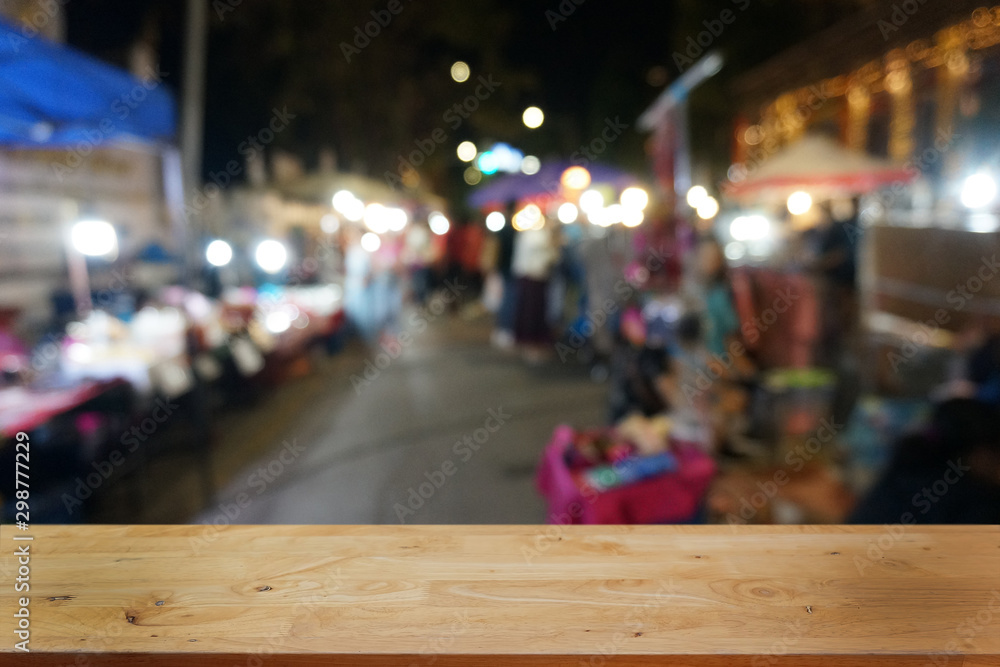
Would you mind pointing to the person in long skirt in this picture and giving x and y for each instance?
(534, 257)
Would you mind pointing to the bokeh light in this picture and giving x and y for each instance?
(460, 71)
(696, 195)
(271, 256)
(219, 253)
(568, 213)
(575, 178)
(799, 202)
(438, 223)
(635, 198)
(467, 151)
(495, 221)
(533, 117)
(94, 237)
(707, 208)
(370, 242)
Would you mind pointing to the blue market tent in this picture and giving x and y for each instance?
(52, 96)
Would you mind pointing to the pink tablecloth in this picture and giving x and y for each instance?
(22, 409)
(669, 498)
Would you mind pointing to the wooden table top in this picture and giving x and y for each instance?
(505, 595)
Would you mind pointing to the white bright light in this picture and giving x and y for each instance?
(94, 237)
(633, 218)
(615, 213)
(278, 322)
(460, 71)
(219, 253)
(749, 228)
(799, 202)
(530, 165)
(349, 206)
(396, 219)
(979, 191)
(591, 201)
(707, 208)
(438, 223)
(567, 213)
(355, 211)
(370, 242)
(495, 221)
(271, 256)
(80, 353)
(635, 199)
(467, 151)
(377, 218)
(533, 117)
(696, 195)
(342, 199)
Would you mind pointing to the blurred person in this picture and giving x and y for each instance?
(418, 254)
(503, 331)
(657, 239)
(454, 251)
(682, 386)
(603, 260)
(471, 254)
(534, 257)
(721, 324)
(357, 285)
(836, 269)
(492, 294)
(949, 473)
(975, 372)
(636, 369)
(387, 293)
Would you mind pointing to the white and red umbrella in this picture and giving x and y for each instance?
(821, 167)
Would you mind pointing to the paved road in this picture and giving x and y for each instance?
(449, 432)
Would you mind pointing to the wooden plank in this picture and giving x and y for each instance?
(507, 595)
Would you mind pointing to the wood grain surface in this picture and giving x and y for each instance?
(505, 595)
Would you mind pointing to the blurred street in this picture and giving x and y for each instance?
(363, 452)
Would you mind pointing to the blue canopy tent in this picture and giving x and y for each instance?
(56, 98)
(52, 96)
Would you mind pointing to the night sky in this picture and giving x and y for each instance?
(600, 62)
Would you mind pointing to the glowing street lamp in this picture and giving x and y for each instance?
(635, 199)
(495, 221)
(87, 238)
(575, 178)
(94, 238)
(219, 253)
(460, 71)
(467, 151)
(439, 223)
(567, 213)
(533, 117)
(707, 208)
(799, 203)
(271, 256)
(696, 195)
(979, 191)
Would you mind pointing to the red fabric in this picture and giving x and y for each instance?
(790, 338)
(23, 410)
(667, 498)
(472, 247)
